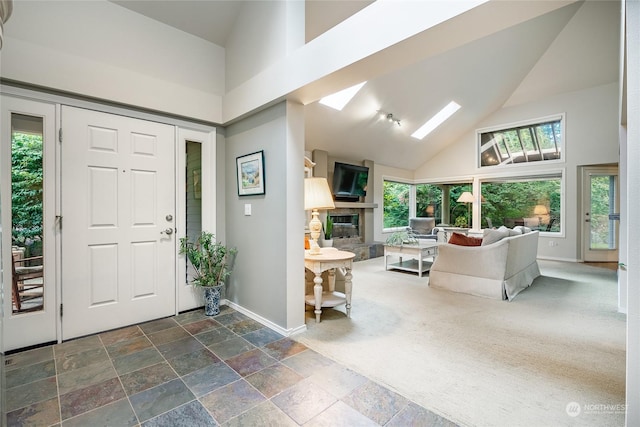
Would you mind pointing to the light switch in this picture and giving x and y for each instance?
(247, 209)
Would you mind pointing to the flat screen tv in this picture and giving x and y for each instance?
(349, 181)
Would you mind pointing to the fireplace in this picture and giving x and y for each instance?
(347, 224)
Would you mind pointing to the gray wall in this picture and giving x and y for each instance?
(270, 240)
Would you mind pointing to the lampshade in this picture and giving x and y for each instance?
(6, 7)
(317, 194)
(466, 197)
(540, 210)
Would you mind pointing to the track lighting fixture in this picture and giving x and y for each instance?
(390, 118)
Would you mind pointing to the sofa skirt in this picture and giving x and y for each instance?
(501, 289)
(521, 280)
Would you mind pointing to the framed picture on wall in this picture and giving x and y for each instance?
(250, 169)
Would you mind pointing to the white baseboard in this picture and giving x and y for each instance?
(548, 258)
(266, 322)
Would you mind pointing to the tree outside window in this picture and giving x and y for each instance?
(396, 204)
(535, 203)
(26, 192)
(429, 201)
(440, 201)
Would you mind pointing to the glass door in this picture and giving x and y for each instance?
(600, 214)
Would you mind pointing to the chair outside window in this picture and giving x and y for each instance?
(27, 282)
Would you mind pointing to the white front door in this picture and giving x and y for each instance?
(118, 210)
(600, 214)
(28, 223)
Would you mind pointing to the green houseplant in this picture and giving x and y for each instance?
(328, 228)
(400, 238)
(328, 232)
(461, 221)
(212, 263)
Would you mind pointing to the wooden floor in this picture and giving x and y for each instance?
(607, 265)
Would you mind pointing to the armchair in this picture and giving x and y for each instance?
(423, 228)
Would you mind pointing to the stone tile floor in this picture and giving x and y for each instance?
(193, 370)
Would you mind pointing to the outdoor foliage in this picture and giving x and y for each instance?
(26, 191)
(504, 200)
(601, 207)
(428, 201)
(396, 204)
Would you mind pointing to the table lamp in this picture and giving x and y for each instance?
(540, 211)
(316, 196)
(467, 198)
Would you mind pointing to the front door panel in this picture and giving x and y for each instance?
(118, 247)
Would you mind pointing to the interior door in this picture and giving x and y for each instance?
(118, 201)
(28, 195)
(600, 213)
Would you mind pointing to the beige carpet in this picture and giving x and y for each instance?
(481, 362)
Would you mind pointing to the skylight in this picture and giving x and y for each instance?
(436, 120)
(339, 99)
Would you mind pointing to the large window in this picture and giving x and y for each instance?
(439, 201)
(397, 199)
(521, 144)
(532, 202)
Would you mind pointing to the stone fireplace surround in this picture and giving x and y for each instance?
(349, 232)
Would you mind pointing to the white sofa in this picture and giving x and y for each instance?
(497, 270)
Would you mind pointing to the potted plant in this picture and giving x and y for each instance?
(328, 232)
(461, 221)
(400, 238)
(212, 263)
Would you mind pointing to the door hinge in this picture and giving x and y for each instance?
(60, 134)
(59, 221)
(60, 309)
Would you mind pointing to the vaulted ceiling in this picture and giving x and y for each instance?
(572, 48)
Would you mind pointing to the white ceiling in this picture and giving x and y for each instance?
(571, 48)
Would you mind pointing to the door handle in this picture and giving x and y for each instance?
(168, 231)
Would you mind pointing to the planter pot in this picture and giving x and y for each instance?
(212, 296)
(327, 243)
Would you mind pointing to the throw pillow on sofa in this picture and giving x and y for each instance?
(492, 236)
(523, 229)
(462, 240)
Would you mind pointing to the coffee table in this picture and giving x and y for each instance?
(417, 252)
